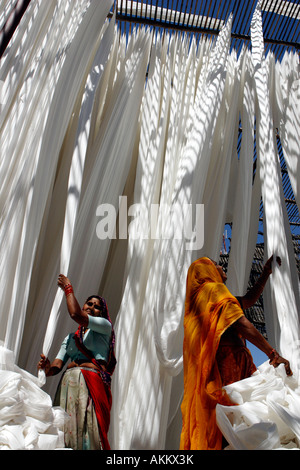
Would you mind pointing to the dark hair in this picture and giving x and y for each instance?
(103, 306)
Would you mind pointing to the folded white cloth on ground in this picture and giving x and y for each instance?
(28, 421)
(267, 415)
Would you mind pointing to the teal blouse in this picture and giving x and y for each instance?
(96, 339)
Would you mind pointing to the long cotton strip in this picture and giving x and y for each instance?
(284, 304)
(102, 166)
(288, 111)
(147, 189)
(246, 195)
(24, 104)
(76, 174)
(161, 318)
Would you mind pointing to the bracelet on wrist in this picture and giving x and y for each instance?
(273, 354)
(68, 289)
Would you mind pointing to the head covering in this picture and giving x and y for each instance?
(108, 369)
(209, 310)
(111, 361)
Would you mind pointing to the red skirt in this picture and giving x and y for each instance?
(101, 396)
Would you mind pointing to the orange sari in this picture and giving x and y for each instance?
(209, 310)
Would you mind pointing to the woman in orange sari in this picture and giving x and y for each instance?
(214, 350)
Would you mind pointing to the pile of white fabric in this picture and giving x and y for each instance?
(28, 421)
(267, 413)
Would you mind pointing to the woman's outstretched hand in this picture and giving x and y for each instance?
(268, 265)
(276, 360)
(63, 281)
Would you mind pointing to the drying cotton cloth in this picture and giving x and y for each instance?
(35, 84)
(268, 415)
(107, 164)
(27, 419)
(150, 324)
(72, 76)
(75, 170)
(286, 112)
(246, 194)
(92, 121)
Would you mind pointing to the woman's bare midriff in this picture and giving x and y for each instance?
(230, 337)
(82, 364)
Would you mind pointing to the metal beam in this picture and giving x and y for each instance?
(197, 29)
(11, 24)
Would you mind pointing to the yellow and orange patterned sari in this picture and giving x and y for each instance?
(209, 310)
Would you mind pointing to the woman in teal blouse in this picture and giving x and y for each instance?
(84, 391)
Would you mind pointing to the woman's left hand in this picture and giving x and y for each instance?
(276, 360)
(268, 265)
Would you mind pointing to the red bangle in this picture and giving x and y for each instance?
(273, 353)
(68, 290)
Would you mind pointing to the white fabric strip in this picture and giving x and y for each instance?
(244, 229)
(284, 306)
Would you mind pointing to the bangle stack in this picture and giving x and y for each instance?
(273, 354)
(68, 289)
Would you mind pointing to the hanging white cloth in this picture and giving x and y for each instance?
(34, 87)
(155, 349)
(76, 172)
(103, 165)
(268, 412)
(39, 182)
(246, 200)
(286, 115)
